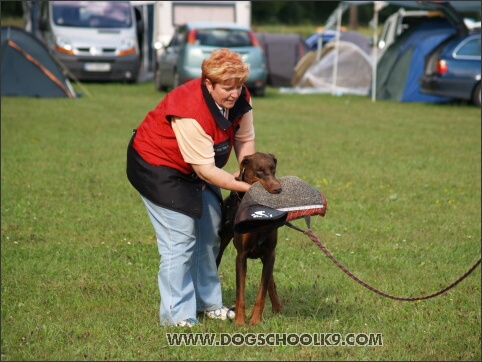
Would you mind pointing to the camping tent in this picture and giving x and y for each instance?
(282, 52)
(334, 21)
(354, 70)
(402, 64)
(351, 36)
(28, 69)
(315, 71)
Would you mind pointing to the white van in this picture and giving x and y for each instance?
(95, 40)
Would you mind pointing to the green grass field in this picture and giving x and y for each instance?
(403, 182)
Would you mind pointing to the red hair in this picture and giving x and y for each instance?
(225, 66)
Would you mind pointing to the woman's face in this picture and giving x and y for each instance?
(224, 95)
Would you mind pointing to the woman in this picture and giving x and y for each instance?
(174, 161)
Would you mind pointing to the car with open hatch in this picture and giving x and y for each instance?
(453, 70)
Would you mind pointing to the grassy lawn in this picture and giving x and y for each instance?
(403, 182)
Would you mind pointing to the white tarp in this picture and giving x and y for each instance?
(354, 70)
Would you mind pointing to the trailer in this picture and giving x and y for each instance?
(169, 14)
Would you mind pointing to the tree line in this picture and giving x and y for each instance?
(277, 12)
(265, 12)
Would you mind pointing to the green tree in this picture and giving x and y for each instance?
(11, 8)
(291, 12)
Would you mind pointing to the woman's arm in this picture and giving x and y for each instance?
(218, 177)
(242, 149)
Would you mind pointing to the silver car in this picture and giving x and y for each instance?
(193, 42)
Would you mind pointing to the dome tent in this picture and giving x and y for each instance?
(28, 69)
(353, 74)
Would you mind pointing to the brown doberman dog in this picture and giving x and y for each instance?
(259, 167)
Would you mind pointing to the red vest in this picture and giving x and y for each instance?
(155, 166)
(155, 140)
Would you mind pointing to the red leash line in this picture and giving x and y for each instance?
(346, 271)
(317, 241)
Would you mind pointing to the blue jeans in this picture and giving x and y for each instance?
(188, 278)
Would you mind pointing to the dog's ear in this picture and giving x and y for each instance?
(242, 167)
(274, 158)
(245, 161)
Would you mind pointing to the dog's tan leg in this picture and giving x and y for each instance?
(266, 276)
(241, 268)
(273, 296)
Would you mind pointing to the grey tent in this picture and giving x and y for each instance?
(28, 69)
(282, 52)
(351, 55)
(354, 72)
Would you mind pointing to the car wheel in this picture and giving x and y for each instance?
(476, 96)
(133, 80)
(259, 91)
(158, 81)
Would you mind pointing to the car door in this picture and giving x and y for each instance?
(169, 58)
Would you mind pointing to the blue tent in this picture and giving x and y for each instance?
(402, 64)
(450, 9)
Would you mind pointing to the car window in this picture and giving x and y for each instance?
(228, 38)
(177, 38)
(469, 48)
(86, 14)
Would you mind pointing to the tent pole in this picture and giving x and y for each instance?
(376, 8)
(319, 44)
(70, 74)
(337, 44)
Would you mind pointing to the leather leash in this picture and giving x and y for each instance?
(317, 241)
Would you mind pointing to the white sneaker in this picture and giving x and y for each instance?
(190, 322)
(221, 313)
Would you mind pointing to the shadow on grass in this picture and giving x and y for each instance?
(307, 302)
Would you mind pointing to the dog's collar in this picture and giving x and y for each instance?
(239, 195)
(241, 178)
(241, 175)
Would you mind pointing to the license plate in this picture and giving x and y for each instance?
(97, 67)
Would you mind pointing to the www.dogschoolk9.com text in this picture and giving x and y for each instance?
(275, 339)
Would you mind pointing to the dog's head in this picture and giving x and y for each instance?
(260, 167)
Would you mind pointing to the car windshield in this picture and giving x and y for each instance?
(92, 14)
(227, 38)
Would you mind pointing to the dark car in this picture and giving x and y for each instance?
(193, 42)
(453, 70)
